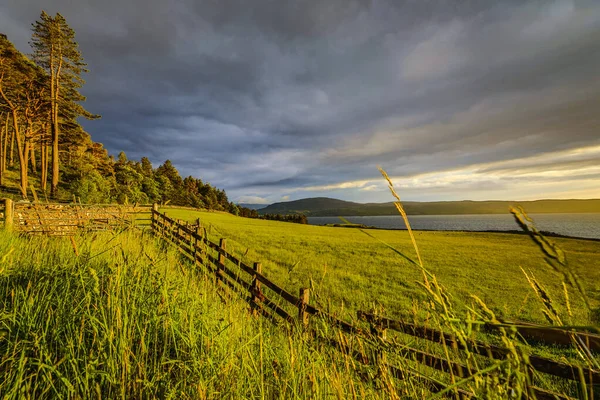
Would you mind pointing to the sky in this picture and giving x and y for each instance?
(276, 100)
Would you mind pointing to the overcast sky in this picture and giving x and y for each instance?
(274, 100)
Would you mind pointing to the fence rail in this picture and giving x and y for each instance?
(276, 302)
(539, 364)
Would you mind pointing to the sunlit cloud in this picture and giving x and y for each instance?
(252, 200)
(341, 185)
(550, 173)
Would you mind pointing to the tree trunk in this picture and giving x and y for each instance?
(54, 89)
(42, 169)
(29, 146)
(44, 166)
(5, 146)
(12, 149)
(2, 151)
(24, 166)
(46, 158)
(32, 153)
(54, 186)
(22, 155)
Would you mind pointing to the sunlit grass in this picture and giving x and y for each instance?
(124, 317)
(355, 271)
(461, 278)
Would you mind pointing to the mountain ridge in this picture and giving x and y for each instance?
(253, 206)
(325, 206)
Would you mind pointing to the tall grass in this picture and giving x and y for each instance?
(123, 316)
(513, 376)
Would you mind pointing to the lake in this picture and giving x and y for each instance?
(577, 225)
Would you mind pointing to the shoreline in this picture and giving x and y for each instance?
(513, 232)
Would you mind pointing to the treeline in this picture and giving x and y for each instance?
(42, 140)
(139, 182)
(296, 218)
(250, 213)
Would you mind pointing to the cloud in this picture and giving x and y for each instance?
(341, 185)
(549, 172)
(371, 188)
(252, 200)
(436, 56)
(280, 99)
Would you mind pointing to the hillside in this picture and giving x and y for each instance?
(323, 206)
(252, 206)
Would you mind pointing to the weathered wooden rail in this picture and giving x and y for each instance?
(68, 219)
(277, 304)
(541, 334)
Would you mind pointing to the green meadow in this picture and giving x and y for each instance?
(352, 270)
(122, 316)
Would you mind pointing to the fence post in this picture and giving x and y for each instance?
(256, 294)
(302, 314)
(380, 332)
(196, 246)
(164, 227)
(222, 247)
(8, 214)
(153, 216)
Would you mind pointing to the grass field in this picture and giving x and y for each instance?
(356, 271)
(123, 316)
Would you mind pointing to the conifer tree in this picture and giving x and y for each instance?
(55, 50)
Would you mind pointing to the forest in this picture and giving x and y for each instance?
(44, 148)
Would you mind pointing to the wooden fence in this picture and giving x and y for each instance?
(548, 336)
(272, 301)
(68, 219)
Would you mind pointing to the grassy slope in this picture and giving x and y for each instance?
(12, 180)
(356, 271)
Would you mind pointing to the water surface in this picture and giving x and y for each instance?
(577, 225)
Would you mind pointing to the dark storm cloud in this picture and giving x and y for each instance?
(264, 98)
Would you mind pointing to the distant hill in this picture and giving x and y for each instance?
(324, 206)
(309, 206)
(253, 206)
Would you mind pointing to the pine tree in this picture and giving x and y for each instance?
(22, 96)
(55, 50)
